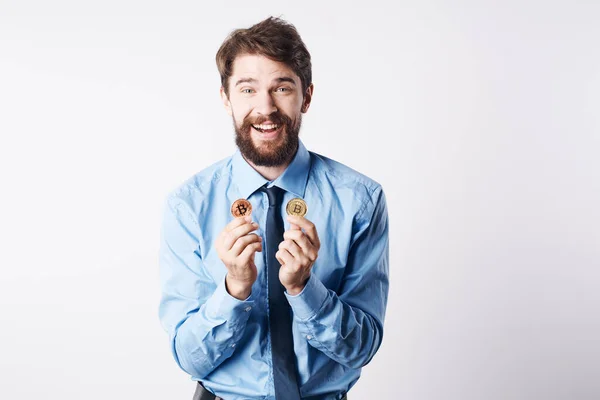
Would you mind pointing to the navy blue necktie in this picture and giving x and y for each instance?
(280, 319)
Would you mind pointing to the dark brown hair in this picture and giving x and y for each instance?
(273, 38)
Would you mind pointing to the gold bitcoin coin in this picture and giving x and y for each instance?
(296, 207)
(241, 208)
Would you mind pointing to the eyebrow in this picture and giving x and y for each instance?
(278, 80)
(245, 80)
(286, 79)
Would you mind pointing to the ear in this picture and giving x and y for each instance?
(226, 101)
(307, 98)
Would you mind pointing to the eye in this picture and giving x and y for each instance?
(282, 89)
(247, 90)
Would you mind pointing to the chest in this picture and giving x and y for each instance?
(333, 220)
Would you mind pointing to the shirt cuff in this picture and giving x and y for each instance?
(222, 305)
(310, 300)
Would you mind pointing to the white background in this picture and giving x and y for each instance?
(480, 119)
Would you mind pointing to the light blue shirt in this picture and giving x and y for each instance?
(338, 317)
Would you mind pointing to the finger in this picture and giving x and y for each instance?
(295, 227)
(302, 241)
(237, 222)
(243, 242)
(309, 228)
(248, 253)
(284, 257)
(292, 248)
(279, 258)
(232, 225)
(233, 235)
(244, 229)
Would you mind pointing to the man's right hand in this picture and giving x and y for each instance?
(236, 248)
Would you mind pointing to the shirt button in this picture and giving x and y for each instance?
(233, 345)
(308, 337)
(248, 309)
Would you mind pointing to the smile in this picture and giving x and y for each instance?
(266, 128)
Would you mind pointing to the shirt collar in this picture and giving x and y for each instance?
(293, 179)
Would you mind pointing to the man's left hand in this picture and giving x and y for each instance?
(297, 254)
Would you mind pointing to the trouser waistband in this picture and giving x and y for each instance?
(203, 394)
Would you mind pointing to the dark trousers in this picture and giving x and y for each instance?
(203, 394)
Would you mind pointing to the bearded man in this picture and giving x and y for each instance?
(273, 262)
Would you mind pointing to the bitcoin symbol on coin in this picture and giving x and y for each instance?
(241, 208)
(296, 207)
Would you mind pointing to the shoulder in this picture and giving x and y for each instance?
(340, 175)
(198, 186)
(332, 175)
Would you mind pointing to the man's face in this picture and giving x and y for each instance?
(266, 103)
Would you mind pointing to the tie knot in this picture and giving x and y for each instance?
(275, 194)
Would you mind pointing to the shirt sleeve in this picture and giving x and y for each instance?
(203, 320)
(347, 325)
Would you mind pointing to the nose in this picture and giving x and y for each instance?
(265, 104)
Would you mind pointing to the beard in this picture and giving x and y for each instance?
(269, 154)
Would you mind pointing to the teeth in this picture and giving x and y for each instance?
(265, 127)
